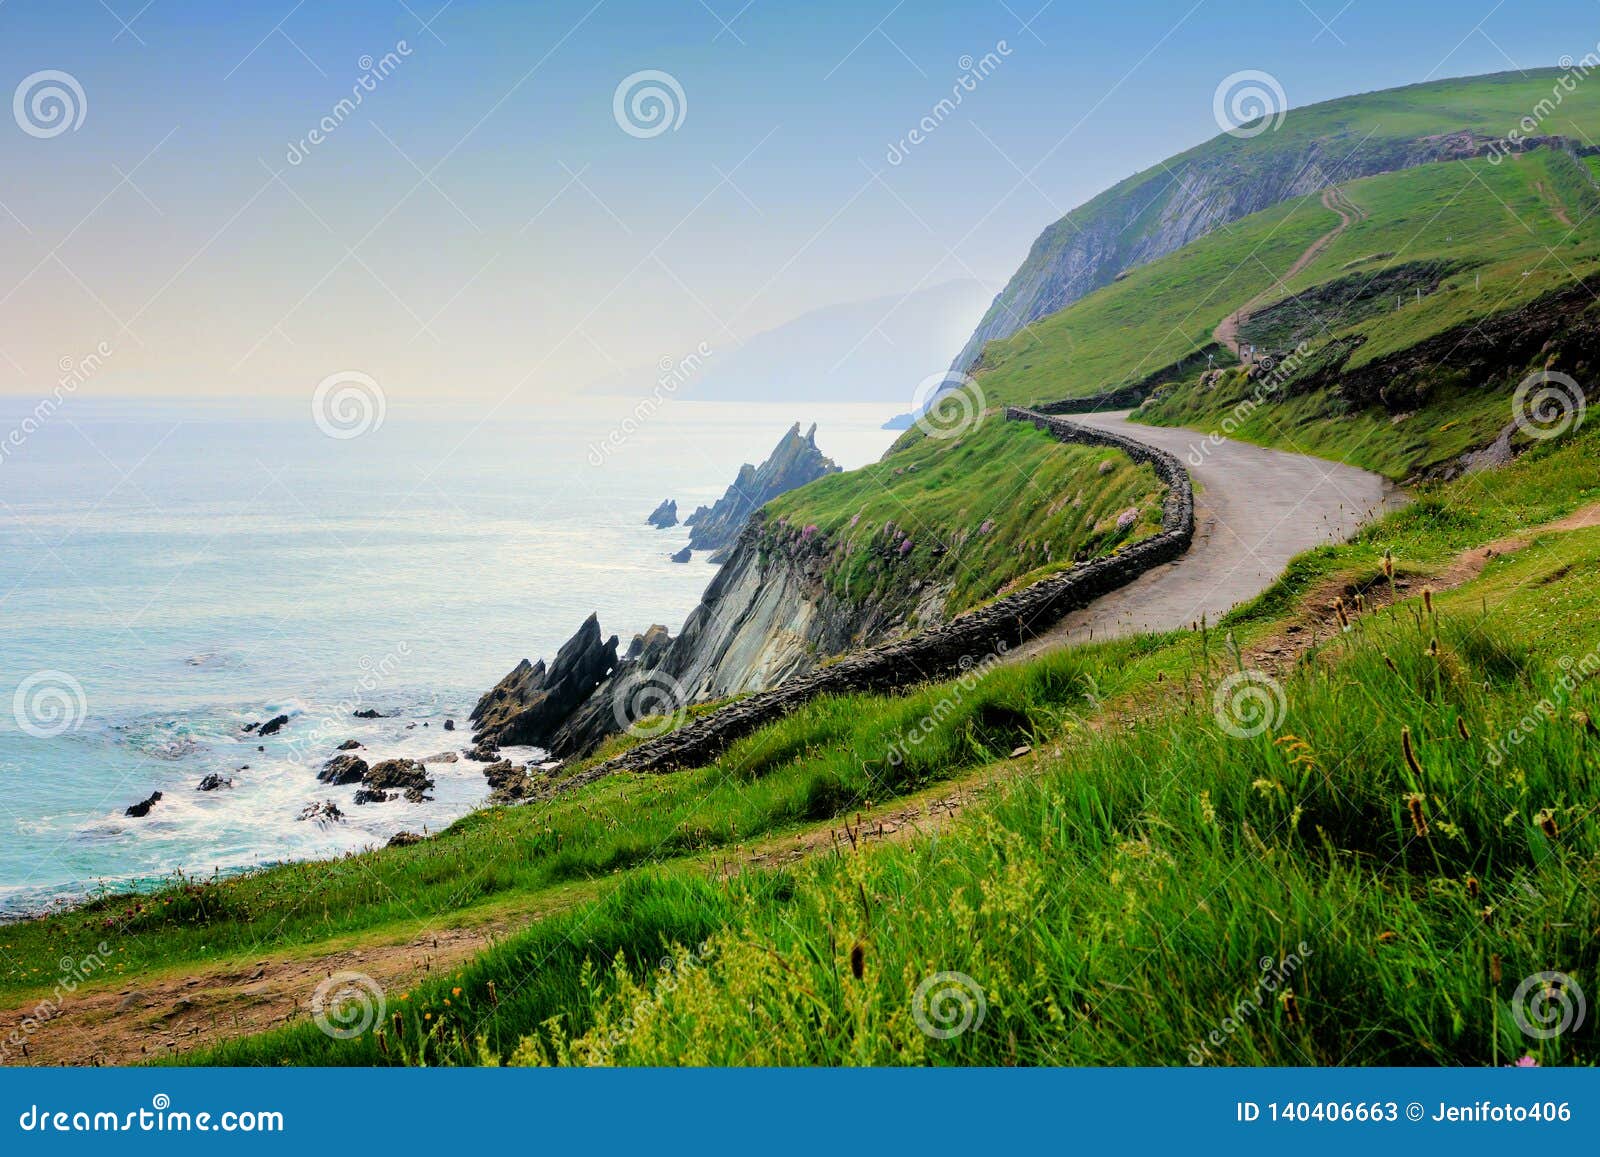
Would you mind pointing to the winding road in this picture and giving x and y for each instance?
(1255, 509)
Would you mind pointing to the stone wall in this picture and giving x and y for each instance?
(946, 651)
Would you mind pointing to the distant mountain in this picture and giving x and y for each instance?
(1231, 176)
(861, 351)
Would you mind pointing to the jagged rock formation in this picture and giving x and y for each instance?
(794, 461)
(1160, 210)
(532, 701)
(683, 555)
(962, 644)
(665, 515)
(343, 769)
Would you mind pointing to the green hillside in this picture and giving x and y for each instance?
(1089, 840)
(1155, 212)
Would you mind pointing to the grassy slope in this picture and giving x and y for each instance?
(1115, 905)
(1003, 505)
(1136, 844)
(1373, 122)
(1491, 221)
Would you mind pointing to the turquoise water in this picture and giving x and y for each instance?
(172, 570)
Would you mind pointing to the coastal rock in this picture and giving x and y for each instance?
(699, 513)
(212, 782)
(417, 795)
(449, 724)
(404, 840)
(617, 698)
(368, 713)
(532, 701)
(665, 515)
(343, 769)
(348, 745)
(273, 725)
(794, 461)
(141, 809)
(368, 795)
(508, 782)
(486, 752)
(397, 775)
(684, 555)
(441, 757)
(324, 812)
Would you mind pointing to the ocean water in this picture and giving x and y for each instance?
(170, 571)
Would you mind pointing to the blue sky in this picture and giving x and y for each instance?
(481, 224)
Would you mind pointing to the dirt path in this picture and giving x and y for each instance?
(1333, 199)
(146, 1018)
(1255, 509)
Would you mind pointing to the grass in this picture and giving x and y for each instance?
(835, 755)
(999, 507)
(1114, 904)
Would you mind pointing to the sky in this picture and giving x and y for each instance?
(495, 218)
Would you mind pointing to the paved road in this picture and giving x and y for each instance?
(1254, 510)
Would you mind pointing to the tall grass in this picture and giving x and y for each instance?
(1327, 891)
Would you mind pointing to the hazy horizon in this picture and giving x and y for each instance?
(494, 218)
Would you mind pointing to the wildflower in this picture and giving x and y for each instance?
(1385, 937)
(1526, 1061)
(1547, 824)
(455, 992)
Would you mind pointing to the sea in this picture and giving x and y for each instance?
(172, 571)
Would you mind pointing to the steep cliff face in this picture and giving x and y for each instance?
(794, 461)
(1161, 210)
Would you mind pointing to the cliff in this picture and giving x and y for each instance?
(1160, 210)
(794, 461)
